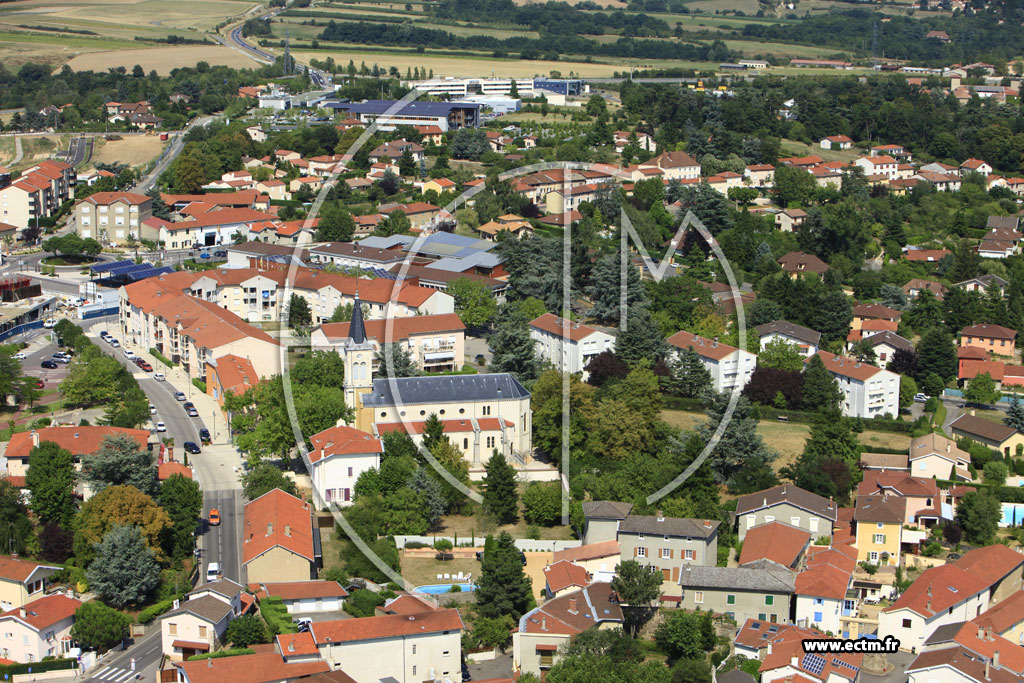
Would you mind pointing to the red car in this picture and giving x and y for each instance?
(146, 366)
(40, 384)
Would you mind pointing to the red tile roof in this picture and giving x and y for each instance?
(591, 551)
(552, 324)
(236, 374)
(988, 332)
(343, 440)
(823, 581)
(786, 649)
(44, 612)
(958, 659)
(296, 644)
(1011, 655)
(1003, 615)
(386, 626)
(799, 262)
(706, 348)
(288, 521)
(78, 440)
(926, 254)
(172, 467)
(574, 612)
(848, 367)
(17, 569)
(564, 574)
(407, 604)
(938, 589)
(991, 563)
(401, 328)
(106, 198)
(775, 541)
(298, 590)
(256, 668)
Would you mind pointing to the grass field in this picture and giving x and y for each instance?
(162, 59)
(134, 150)
(35, 148)
(802, 149)
(788, 438)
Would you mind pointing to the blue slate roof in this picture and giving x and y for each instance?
(462, 388)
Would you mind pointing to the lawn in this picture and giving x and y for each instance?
(797, 148)
(423, 571)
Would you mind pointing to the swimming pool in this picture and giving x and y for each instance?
(439, 588)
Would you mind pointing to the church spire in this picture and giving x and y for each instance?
(356, 329)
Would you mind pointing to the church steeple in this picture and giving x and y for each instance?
(357, 352)
(356, 329)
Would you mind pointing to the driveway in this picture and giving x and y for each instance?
(477, 346)
(900, 661)
(499, 667)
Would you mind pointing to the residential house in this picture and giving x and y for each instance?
(979, 641)
(338, 456)
(836, 142)
(881, 164)
(1000, 566)
(805, 339)
(601, 520)
(543, 630)
(112, 217)
(564, 577)
(789, 220)
(518, 228)
(262, 667)
(569, 198)
(197, 624)
(39, 629)
(666, 543)
(392, 151)
(399, 647)
(599, 559)
(229, 374)
(878, 526)
(975, 166)
(22, 581)
(566, 344)
(992, 338)
(760, 175)
(778, 542)
(278, 539)
(762, 590)
(885, 344)
(920, 496)
(303, 597)
(421, 215)
(992, 434)
(436, 343)
(822, 589)
(730, 367)
(789, 660)
(865, 312)
(941, 595)
(787, 503)
(797, 263)
(925, 255)
(440, 186)
(956, 664)
(942, 182)
(898, 152)
(1005, 618)
(641, 140)
(982, 283)
(937, 456)
(917, 285)
(674, 165)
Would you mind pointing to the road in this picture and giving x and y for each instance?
(78, 148)
(19, 151)
(170, 154)
(214, 469)
(319, 78)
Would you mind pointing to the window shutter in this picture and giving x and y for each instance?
(671, 553)
(634, 552)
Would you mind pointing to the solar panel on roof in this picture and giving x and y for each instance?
(152, 271)
(813, 664)
(103, 267)
(125, 270)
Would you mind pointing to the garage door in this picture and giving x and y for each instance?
(331, 604)
(307, 605)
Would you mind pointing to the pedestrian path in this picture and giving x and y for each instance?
(111, 674)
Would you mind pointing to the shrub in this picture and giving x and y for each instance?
(153, 611)
(232, 652)
(932, 549)
(274, 612)
(361, 603)
(442, 545)
(200, 384)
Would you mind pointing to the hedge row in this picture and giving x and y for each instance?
(232, 652)
(153, 611)
(274, 612)
(38, 667)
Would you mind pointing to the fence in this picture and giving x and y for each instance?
(20, 329)
(527, 545)
(96, 311)
(957, 393)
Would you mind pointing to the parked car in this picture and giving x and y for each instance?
(188, 404)
(213, 569)
(109, 339)
(220, 253)
(205, 255)
(159, 376)
(113, 342)
(191, 447)
(204, 435)
(64, 360)
(303, 623)
(49, 323)
(146, 367)
(179, 395)
(161, 427)
(129, 354)
(48, 364)
(920, 398)
(104, 334)
(192, 412)
(20, 355)
(40, 384)
(152, 409)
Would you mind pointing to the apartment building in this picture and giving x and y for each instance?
(338, 456)
(729, 366)
(674, 166)
(277, 539)
(38, 193)
(568, 346)
(436, 343)
(113, 217)
(995, 339)
(868, 391)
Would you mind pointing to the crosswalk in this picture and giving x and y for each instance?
(111, 674)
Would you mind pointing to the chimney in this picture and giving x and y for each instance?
(707, 523)
(986, 670)
(928, 606)
(270, 528)
(995, 659)
(769, 648)
(988, 634)
(209, 663)
(291, 645)
(661, 516)
(35, 438)
(794, 662)
(972, 412)
(21, 612)
(572, 605)
(288, 530)
(543, 623)
(981, 633)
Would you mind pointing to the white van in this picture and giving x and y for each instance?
(212, 572)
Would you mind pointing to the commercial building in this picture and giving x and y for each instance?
(389, 114)
(461, 87)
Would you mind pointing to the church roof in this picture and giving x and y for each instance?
(461, 388)
(356, 329)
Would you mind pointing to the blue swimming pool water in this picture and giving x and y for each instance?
(438, 588)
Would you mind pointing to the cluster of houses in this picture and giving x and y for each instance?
(137, 114)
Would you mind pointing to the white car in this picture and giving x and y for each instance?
(49, 323)
(20, 355)
(161, 427)
(212, 572)
(159, 376)
(152, 409)
(129, 354)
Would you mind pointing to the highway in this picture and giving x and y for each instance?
(318, 78)
(169, 154)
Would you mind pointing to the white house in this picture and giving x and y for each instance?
(197, 624)
(882, 164)
(41, 628)
(804, 338)
(339, 455)
(838, 141)
(300, 597)
(941, 595)
(729, 367)
(868, 391)
(568, 346)
(821, 588)
(404, 647)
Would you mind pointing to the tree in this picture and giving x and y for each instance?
(741, 450)
(119, 460)
(474, 302)
(903, 362)
(793, 185)
(606, 366)
(893, 297)
(1015, 414)
(504, 587)
(641, 339)
(493, 632)
(501, 500)
(821, 391)
(688, 376)
(469, 143)
(908, 390)
(246, 630)
(936, 353)
(336, 223)
(781, 355)
(513, 350)
(55, 543)
(542, 503)
(978, 514)
(637, 585)
(51, 480)
(434, 504)
(996, 472)
(98, 627)
(299, 316)
(982, 389)
(118, 506)
(829, 463)
(686, 635)
(125, 571)
(15, 526)
(397, 223)
(402, 364)
(264, 478)
(182, 499)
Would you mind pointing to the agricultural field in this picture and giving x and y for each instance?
(58, 31)
(162, 59)
(134, 150)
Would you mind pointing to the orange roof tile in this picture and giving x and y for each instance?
(938, 589)
(591, 551)
(401, 328)
(277, 519)
(255, 668)
(707, 348)
(407, 603)
(775, 541)
(17, 569)
(551, 323)
(342, 440)
(78, 440)
(564, 574)
(387, 626)
(298, 590)
(171, 467)
(236, 374)
(992, 562)
(296, 644)
(44, 612)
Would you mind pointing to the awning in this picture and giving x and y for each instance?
(189, 645)
(547, 648)
(440, 355)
